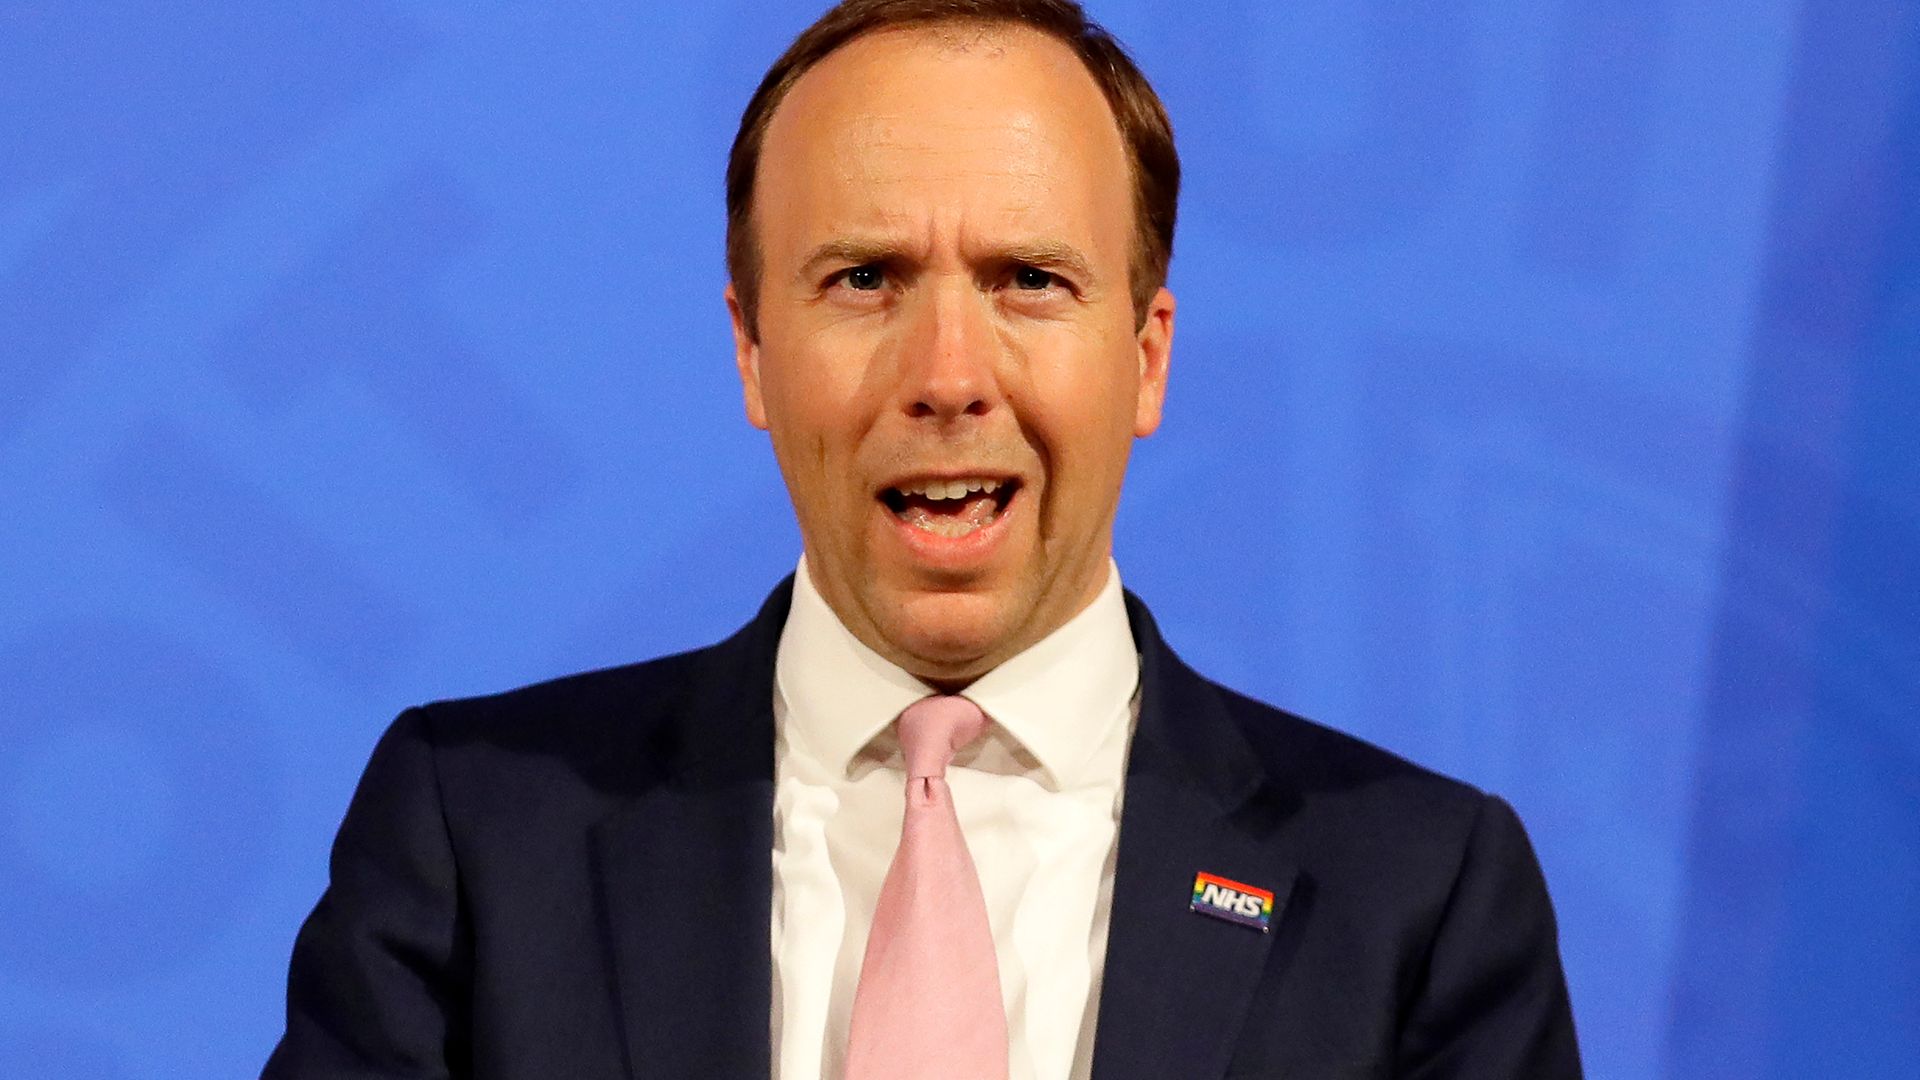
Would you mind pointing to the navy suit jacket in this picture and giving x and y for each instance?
(571, 881)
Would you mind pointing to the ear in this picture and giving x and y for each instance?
(1154, 346)
(746, 357)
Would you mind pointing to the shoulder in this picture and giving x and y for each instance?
(1229, 731)
(581, 740)
(630, 701)
(1335, 794)
(582, 743)
(1357, 810)
(604, 734)
(553, 712)
(1322, 759)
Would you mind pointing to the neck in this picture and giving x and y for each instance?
(952, 671)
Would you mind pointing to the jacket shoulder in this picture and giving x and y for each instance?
(1357, 810)
(551, 708)
(656, 705)
(614, 731)
(1324, 758)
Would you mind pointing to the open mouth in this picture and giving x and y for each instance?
(951, 508)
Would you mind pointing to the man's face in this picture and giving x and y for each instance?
(947, 357)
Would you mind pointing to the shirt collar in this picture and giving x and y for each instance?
(1059, 698)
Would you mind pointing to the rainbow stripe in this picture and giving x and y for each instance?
(1234, 901)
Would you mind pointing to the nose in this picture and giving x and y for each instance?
(950, 361)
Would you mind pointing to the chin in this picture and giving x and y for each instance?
(951, 635)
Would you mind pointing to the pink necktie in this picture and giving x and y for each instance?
(928, 1003)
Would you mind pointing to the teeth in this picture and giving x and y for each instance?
(952, 489)
(952, 530)
(973, 515)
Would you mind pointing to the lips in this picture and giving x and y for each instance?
(952, 508)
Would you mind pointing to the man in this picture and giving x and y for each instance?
(948, 806)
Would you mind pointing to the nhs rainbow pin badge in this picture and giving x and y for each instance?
(1234, 901)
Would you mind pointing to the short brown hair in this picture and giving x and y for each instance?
(1142, 119)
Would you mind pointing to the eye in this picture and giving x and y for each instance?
(864, 278)
(1032, 278)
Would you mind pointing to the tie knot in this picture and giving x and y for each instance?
(932, 728)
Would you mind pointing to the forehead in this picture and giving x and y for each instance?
(953, 127)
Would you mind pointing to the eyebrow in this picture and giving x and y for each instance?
(1043, 254)
(1051, 255)
(848, 252)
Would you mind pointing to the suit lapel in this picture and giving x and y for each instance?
(685, 874)
(1178, 983)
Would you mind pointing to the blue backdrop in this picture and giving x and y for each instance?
(1545, 406)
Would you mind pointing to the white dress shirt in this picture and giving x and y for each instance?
(1038, 798)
